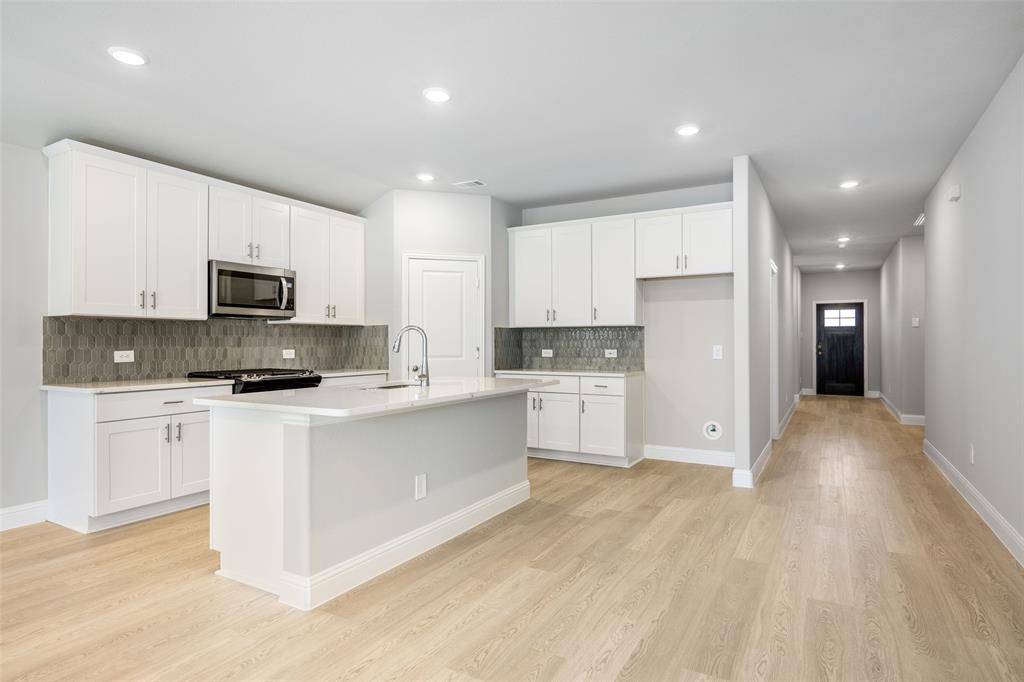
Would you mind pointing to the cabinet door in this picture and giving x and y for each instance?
(108, 235)
(570, 276)
(707, 239)
(311, 249)
(133, 463)
(558, 421)
(176, 243)
(531, 419)
(602, 425)
(270, 232)
(190, 453)
(614, 281)
(659, 246)
(230, 225)
(347, 271)
(530, 251)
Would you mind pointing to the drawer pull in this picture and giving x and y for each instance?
(600, 385)
(583, 406)
(173, 402)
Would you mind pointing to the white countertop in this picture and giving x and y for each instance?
(567, 373)
(353, 402)
(178, 382)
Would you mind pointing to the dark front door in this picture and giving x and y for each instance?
(840, 348)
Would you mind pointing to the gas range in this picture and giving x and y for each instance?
(264, 379)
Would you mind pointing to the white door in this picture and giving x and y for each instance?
(176, 243)
(310, 254)
(270, 233)
(558, 421)
(108, 237)
(707, 237)
(230, 225)
(570, 276)
(530, 252)
(445, 297)
(602, 425)
(348, 280)
(531, 419)
(659, 246)
(190, 453)
(133, 463)
(614, 281)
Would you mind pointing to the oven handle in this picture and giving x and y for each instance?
(284, 289)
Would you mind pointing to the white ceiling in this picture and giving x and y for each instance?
(552, 102)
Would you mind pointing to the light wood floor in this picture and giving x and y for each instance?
(854, 560)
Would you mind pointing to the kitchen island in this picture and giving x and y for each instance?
(313, 492)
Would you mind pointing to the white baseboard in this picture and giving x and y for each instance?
(796, 397)
(22, 515)
(307, 593)
(668, 453)
(1002, 528)
(908, 419)
(789, 415)
(808, 391)
(583, 458)
(747, 478)
(874, 395)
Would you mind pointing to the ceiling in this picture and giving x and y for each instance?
(551, 102)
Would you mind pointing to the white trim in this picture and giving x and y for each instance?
(747, 478)
(679, 210)
(92, 524)
(773, 349)
(481, 264)
(808, 391)
(908, 419)
(307, 593)
(873, 395)
(582, 458)
(1003, 529)
(667, 453)
(814, 339)
(789, 415)
(20, 515)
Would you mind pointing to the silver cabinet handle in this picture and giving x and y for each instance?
(554, 314)
(595, 312)
(547, 315)
(534, 403)
(583, 406)
(142, 299)
(327, 311)
(257, 252)
(178, 434)
(686, 261)
(600, 386)
(541, 405)
(167, 437)
(677, 262)
(334, 311)
(250, 249)
(153, 295)
(173, 402)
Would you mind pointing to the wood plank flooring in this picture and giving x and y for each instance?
(852, 560)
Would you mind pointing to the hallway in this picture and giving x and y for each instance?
(853, 559)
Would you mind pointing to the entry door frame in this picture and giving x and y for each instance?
(773, 346)
(481, 264)
(814, 338)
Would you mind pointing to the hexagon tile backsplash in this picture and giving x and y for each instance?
(81, 349)
(574, 348)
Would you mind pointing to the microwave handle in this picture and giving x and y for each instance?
(284, 290)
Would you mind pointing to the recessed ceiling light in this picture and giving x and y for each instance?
(843, 240)
(849, 184)
(424, 177)
(687, 129)
(437, 95)
(840, 266)
(127, 55)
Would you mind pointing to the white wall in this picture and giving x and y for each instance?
(22, 307)
(903, 346)
(974, 317)
(632, 203)
(851, 285)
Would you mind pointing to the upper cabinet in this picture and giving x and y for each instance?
(659, 246)
(696, 241)
(176, 235)
(615, 292)
(248, 229)
(530, 273)
(271, 229)
(570, 276)
(348, 275)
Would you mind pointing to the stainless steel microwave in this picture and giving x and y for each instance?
(240, 290)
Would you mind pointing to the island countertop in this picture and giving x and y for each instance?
(359, 402)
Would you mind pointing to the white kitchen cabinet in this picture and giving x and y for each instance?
(176, 243)
(347, 265)
(311, 250)
(271, 230)
(558, 421)
(616, 299)
(190, 453)
(602, 425)
(530, 290)
(532, 417)
(707, 242)
(659, 246)
(570, 276)
(133, 463)
(230, 225)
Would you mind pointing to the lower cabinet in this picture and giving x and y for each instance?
(190, 453)
(603, 425)
(558, 421)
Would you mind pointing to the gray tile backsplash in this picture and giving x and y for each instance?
(81, 349)
(574, 348)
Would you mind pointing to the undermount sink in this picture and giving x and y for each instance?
(392, 384)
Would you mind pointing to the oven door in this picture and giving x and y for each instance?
(240, 290)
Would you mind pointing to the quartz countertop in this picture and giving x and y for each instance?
(354, 402)
(568, 372)
(177, 382)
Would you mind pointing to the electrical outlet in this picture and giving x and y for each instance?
(611, 352)
(288, 353)
(419, 485)
(547, 353)
(124, 356)
(716, 352)
(972, 453)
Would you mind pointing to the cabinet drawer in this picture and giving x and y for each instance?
(114, 406)
(564, 385)
(355, 381)
(599, 386)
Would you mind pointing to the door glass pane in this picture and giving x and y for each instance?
(831, 314)
(852, 312)
(831, 322)
(847, 322)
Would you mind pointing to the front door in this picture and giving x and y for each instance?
(446, 299)
(840, 348)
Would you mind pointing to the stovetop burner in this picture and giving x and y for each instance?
(262, 379)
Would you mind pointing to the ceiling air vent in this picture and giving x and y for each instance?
(469, 184)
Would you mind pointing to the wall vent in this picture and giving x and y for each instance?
(469, 184)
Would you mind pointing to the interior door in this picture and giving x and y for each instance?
(348, 283)
(133, 463)
(614, 281)
(190, 453)
(445, 298)
(558, 421)
(531, 277)
(270, 233)
(230, 225)
(570, 276)
(310, 256)
(839, 349)
(707, 242)
(176, 238)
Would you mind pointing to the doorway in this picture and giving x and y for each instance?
(839, 348)
(773, 346)
(444, 295)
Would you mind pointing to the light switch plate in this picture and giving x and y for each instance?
(915, 322)
(716, 352)
(611, 352)
(124, 356)
(547, 353)
(288, 353)
(420, 486)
